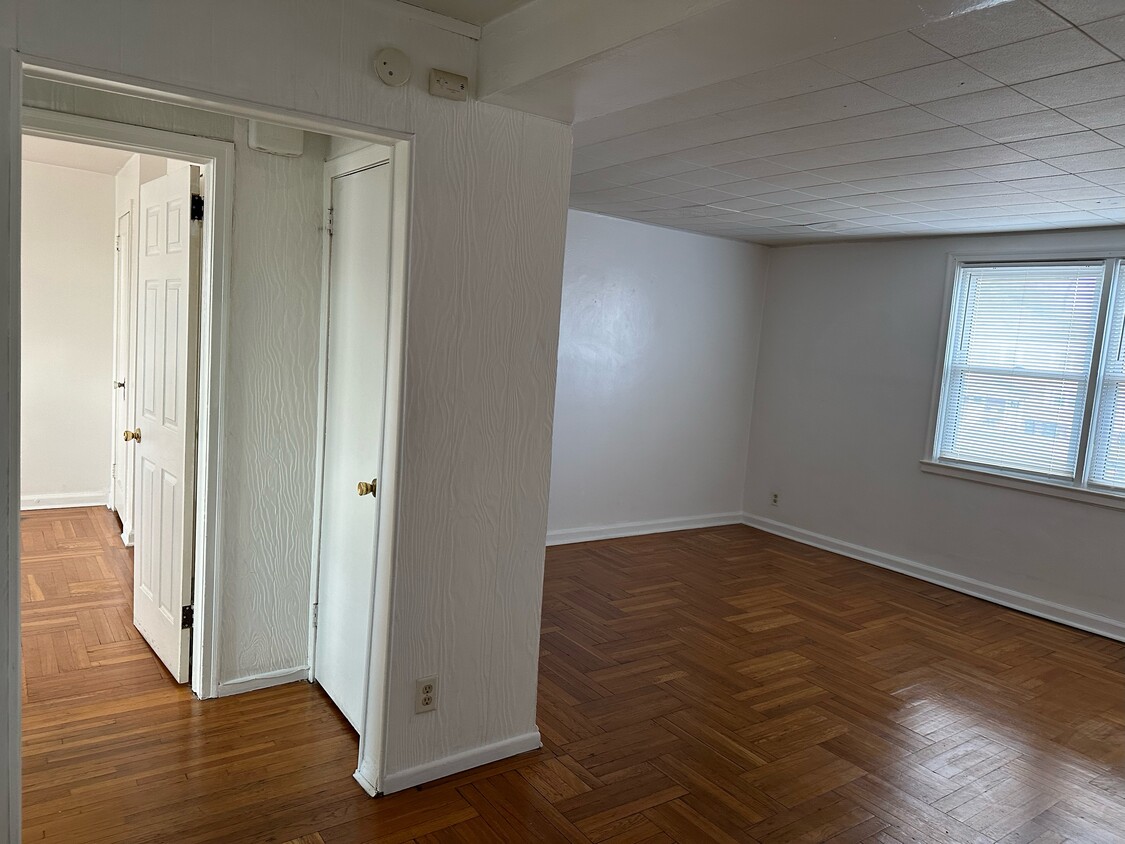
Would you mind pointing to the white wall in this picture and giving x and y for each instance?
(657, 354)
(487, 230)
(850, 343)
(67, 338)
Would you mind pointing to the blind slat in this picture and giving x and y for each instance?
(1020, 346)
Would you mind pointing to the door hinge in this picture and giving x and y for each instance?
(187, 618)
(117, 243)
(196, 207)
(316, 614)
(331, 221)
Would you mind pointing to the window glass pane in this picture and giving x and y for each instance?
(1107, 457)
(1021, 341)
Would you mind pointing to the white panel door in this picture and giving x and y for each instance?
(121, 335)
(165, 414)
(353, 438)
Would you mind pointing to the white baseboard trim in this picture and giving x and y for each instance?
(262, 681)
(460, 762)
(1030, 604)
(64, 499)
(591, 534)
(367, 779)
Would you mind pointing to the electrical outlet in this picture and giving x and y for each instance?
(425, 695)
(775, 499)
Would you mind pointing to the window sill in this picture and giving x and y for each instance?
(1112, 500)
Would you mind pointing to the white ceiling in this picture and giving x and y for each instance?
(1010, 117)
(76, 156)
(478, 12)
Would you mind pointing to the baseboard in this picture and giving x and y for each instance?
(591, 534)
(460, 762)
(64, 499)
(367, 779)
(262, 681)
(1030, 604)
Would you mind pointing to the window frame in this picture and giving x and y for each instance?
(1080, 488)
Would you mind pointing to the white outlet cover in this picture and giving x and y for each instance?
(393, 67)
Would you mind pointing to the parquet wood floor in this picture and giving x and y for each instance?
(713, 685)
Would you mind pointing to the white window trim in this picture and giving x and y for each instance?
(1079, 490)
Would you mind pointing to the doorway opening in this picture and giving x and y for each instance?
(248, 359)
(109, 341)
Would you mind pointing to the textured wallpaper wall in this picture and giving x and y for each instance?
(485, 267)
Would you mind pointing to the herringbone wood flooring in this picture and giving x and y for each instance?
(713, 685)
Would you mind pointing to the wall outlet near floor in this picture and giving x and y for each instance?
(775, 499)
(425, 694)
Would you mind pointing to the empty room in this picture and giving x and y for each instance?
(549, 420)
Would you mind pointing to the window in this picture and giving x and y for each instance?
(1033, 385)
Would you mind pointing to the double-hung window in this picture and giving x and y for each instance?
(1033, 385)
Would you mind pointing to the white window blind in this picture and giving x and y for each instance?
(1107, 457)
(1017, 370)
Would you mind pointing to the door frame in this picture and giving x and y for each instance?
(216, 160)
(373, 738)
(122, 284)
(372, 732)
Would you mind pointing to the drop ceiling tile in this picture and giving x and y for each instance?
(1109, 32)
(1047, 55)
(665, 186)
(708, 177)
(1080, 86)
(788, 80)
(995, 201)
(1098, 204)
(931, 216)
(714, 155)
(662, 165)
(622, 194)
(804, 219)
(1098, 114)
(1112, 133)
(830, 190)
(888, 184)
(992, 26)
(881, 56)
(1023, 127)
(750, 187)
(667, 202)
(797, 180)
(948, 177)
(703, 196)
(755, 168)
(982, 105)
(743, 203)
(1106, 177)
(1047, 183)
(1069, 144)
(806, 109)
(940, 140)
(1077, 194)
(934, 82)
(984, 156)
(1019, 170)
(820, 206)
(784, 197)
(1085, 11)
(1089, 161)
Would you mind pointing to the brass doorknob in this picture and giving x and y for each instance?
(133, 435)
(365, 488)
